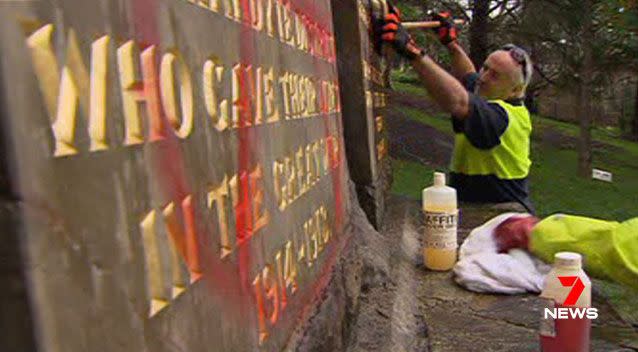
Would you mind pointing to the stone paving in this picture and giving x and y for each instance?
(419, 310)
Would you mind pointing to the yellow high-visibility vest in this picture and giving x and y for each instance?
(508, 160)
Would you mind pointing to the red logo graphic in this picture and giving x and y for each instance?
(577, 288)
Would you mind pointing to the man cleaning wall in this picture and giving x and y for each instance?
(610, 248)
(490, 162)
(502, 255)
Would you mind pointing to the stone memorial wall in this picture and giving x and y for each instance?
(364, 99)
(173, 171)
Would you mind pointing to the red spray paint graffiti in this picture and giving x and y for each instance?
(222, 277)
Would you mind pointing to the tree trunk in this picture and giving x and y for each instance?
(478, 32)
(387, 81)
(584, 95)
(585, 119)
(634, 120)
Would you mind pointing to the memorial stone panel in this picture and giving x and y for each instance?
(174, 170)
(364, 99)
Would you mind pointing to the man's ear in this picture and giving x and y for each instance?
(517, 91)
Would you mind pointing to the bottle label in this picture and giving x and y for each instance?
(547, 326)
(440, 229)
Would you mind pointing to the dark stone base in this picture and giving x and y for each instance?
(363, 264)
(372, 197)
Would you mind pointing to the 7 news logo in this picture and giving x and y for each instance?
(571, 312)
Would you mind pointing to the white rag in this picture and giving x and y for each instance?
(482, 269)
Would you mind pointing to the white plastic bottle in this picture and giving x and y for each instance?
(567, 332)
(441, 216)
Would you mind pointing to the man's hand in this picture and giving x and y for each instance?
(394, 33)
(447, 31)
(514, 233)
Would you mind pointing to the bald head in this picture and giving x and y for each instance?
(502, 77)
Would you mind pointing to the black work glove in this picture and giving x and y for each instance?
(447, 30)
(392, 32)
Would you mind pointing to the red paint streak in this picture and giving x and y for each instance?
(170, 174)
(221, 276)
(247, 138)
(320, 38)
(167, 157)
(193, 258)
(148, 92)
(336, 161)
(145, 15)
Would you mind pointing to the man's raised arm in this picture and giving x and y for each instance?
(461, 63)
(446, 90)
(447, 33)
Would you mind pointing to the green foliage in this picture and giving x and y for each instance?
(559, 45)
(409, 12)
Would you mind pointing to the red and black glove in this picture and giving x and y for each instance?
(447, 30)
(392, 32)
(514, 233)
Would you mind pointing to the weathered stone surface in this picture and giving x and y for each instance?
(364, 264)
(176, 170)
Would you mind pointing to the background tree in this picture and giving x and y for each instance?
(577, 45)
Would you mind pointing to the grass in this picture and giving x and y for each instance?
(410, 178)
(440, 122)
(409, 88)
(555, 187)
(604, 135)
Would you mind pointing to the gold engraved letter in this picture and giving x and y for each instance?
(283, 80)
(61, 90)
(256, 14)
(310, 169)
(272, 109)
(238, 104)
(213, 75)
(311, 96)
(232, 9)
(134, 91)
(208, 4)
(217, 197)
(301, 172)
(310, 240)
(290, 268)
(279, 179)
(294, 96)
(281, 281)
(97, 115)
(261, 309)
(158, 288)
(184, 235)
(243, 93)
(301, 91)
(270, 7)
(258, 96)
(260, 215)
(184, 127)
